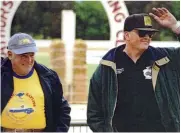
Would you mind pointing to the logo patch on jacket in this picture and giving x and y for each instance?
(119, 71)
(147, 72)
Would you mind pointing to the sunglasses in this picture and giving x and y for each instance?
(143, 33)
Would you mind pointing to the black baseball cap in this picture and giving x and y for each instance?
(140, 22)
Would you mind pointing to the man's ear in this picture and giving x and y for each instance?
(126, 35)
(10, 54)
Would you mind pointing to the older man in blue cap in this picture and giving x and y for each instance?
(32, 96)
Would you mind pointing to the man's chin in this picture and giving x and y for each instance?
(27, 70)
(143, 48)
(145, 45)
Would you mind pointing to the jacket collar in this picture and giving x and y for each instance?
(42, 70)
(157, 56)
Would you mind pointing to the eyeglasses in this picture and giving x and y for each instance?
(143, 33)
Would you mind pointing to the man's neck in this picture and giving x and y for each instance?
(18, 73)
(133, 53)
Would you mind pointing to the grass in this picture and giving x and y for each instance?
(43, 58)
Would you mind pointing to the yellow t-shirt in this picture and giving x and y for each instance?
(26, 108)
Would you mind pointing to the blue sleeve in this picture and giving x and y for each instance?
(61, 108)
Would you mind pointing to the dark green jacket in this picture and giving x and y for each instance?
(103, 89)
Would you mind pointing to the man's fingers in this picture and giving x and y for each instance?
(161, 11)
(156, 12)
(164, 9)
(155, 17)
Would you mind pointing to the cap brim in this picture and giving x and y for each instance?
(25, 50)
(147, 29)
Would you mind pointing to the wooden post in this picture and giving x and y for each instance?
(79, 72)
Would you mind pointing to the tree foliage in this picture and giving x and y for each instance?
(42, 19)
(92, 21)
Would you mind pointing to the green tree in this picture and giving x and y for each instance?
(92, 21)
(42, 19)
(24, 17)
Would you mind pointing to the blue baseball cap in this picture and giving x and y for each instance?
(21, 43)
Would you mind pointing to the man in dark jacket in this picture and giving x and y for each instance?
(31, 94)
(136, 87)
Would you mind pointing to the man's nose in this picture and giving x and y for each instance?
(147, 36)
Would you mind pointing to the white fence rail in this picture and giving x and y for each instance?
(97, 49)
